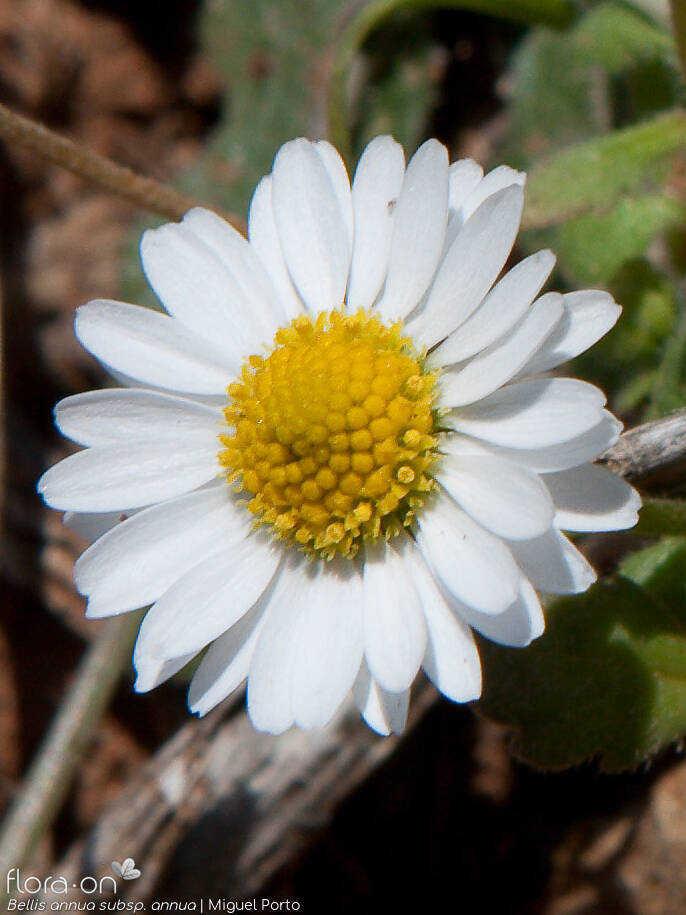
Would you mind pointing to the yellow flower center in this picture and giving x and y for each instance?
(332, 432)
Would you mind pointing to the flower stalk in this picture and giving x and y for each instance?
(147, 193)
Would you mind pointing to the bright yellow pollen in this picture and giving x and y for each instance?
(332, 433)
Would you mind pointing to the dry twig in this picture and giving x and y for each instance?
(232, 804)
(146, 193)
(652, 455)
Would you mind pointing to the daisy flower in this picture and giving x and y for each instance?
(338, 452)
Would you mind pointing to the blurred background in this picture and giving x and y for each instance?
(200, 93)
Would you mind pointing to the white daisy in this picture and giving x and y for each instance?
(337, 453)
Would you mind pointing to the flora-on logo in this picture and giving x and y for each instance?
(127, 870)
(17, 884)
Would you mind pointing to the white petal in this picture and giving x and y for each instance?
(474, 566)
(196, 287)
(470, 267)
(393, 621)
(418, 231)
(270, 696)
(209, 598)
(227, 662)
(310, 650)
(119, 477)
(451, 660)
(533, 414)
(591, 498)
(118, 416)
(249, 279)
(311, 227)
(554, 564)
(495, 366)
(340, 180)
(561, 456)
(328, 644)
(496, 180)
(153, 348)
(377, 183)
(584, 447)
(151, 672)
(506, 499)
(136, 561)
(501, 309)
(518, 626)
(589, 315)
(91, 525)
(384, 712)
(217, 401)
(265, 240)
(463, 176)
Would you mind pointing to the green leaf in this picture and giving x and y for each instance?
(626, 361)
(270, 55)
(679, 22)
(633, 393)
(592, 248)
(656, 10)
(650, 313)
(669, 391)
(659, 570)
(375, 13)
(662, 517)
(397, 90)
(593, 175)
(612, 67)
(608, 678)
(616, 37)
(551, 106)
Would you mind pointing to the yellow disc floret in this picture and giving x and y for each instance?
(332, 432)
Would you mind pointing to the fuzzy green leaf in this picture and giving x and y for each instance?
(626, 361)
(271, 56)
(612, 67)
(593, 247)
(395, 84)
(591, 176)
(608, 678)
(374, 14)
(669, 391)
(616, 37)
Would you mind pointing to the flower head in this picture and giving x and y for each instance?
(337, 453)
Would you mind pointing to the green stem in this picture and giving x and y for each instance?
(51, 772)
(556, 13)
